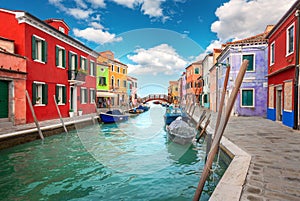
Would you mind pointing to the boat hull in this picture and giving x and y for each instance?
(109, 118)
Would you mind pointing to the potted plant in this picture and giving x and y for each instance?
(71, 113)
(79, 112)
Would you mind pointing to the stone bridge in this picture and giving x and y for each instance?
(162, 97)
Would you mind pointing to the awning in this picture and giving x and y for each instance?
(105, 94)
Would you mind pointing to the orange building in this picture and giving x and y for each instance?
(117, 78)
(12, 85)
(194, 81)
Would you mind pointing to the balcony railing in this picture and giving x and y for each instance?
(76, 75)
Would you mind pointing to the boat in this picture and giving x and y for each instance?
(180, 132)
(172, 113)
(143, 107)
(113, 116)
(135, 111)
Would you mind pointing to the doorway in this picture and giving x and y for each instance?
(279, 103)
(3, 99)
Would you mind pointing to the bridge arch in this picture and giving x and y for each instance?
(161, 97)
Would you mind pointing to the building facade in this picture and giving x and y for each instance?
(59, 67)
(283, 73)
(194, 82)
(132, 88)
(12, 84)
(251, 99)
(213, 82)
(207, 63)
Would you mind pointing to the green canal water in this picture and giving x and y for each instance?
(126, 161)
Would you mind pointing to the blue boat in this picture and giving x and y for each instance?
(172, 113)
(143, 107)
(113, 116)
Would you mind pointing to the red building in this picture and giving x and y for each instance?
(57, 65)
(283, 73)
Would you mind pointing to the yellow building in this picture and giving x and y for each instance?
(173, 91)
(117, 78)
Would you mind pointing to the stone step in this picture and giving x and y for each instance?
(4, 123)
(4, 120)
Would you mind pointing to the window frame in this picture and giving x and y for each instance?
(288, 40)
(247, 54)
(102, 78)
(92, 68)
(272, 53)
(39, 89)
(92, 95)
(39, 53)
(61, 94)
(60, 62)
(83, 95)
(83, 66)
(241, 98)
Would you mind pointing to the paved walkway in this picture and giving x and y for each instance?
(274, 172)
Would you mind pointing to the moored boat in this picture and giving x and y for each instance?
(172, 113)
(113, 116)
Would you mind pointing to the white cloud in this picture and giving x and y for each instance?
(96, 35)
(156, 60)
(214, 44)
(128, 3)
(240, 19)
(152, 8)
(96, 25)
(79, 13)
(81, 4)
(97, 3)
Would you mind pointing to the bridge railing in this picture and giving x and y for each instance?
(156, 97)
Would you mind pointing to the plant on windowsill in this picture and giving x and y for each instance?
(79, 112)
(71, 113)
(38, 100)
(82, 71)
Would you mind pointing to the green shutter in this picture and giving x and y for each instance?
(70, 60)
(250, 59)
(80, 97)
(44, 51)
(64, 58)
(76, 62)
(45, 94)
(247, 98)
(86, 65)
(56, 93)
(64, 94)
(56, 55)
(33, 93)
(33, 48)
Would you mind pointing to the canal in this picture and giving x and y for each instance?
(131, 160)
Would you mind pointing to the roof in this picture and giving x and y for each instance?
(195, 63)
(291, 11)
(55, 20)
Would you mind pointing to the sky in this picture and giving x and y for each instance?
(157, 39)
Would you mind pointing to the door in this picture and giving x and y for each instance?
(279, 104)
(3, 99)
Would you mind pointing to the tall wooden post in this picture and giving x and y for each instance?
(217, 138)
(59, 114)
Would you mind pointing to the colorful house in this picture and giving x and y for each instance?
(251, 100)
(194, 82)
(207, 63)
(182, 89)
(132, 87)
(59, 67)
(173, 91)
(12, 85)
(213, 82)
(118, 78)
(283, 73)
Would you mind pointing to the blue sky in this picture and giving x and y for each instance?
(157, 39)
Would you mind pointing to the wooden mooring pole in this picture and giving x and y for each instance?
(220, 131)
(59, 114)
(33, 114)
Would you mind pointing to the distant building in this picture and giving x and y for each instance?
(283, 73)
(12, 84)
(252, 97)
(213, 82)
(173, 91)
(58, 66)
(194, 82)
(118, 78)
(207, 63)
(132, 88)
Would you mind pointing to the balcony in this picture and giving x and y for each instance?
(76, 77)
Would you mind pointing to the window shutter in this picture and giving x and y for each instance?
(45, 94)
(70, 60)
(94, 69)
(33, 48)
(80, 96)
(64, 94)
(56, 55)
(76, 62)
(44, 51)
(64, 58)
(33, 93)
(56, 93)
(86, 96)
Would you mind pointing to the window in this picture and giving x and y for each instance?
(92, 95)
(135, 84)
(61, 29)
(118, 82)
(112, 81)
(250, 58)
(272, 53)
(247, 97)
(83, 63)
(73, 61)
(118, 69)
(60, 57)
(112, 67)
(83, 95)
(39, 49)
(60, 94)
(196, 70)
(124, 83)
(102, 81)
(92, 68)
(290, 40)
(39, 93)
(124, 71)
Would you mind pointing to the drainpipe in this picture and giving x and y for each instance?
(296, 83)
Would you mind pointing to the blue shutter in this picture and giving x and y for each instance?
(33, 93)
